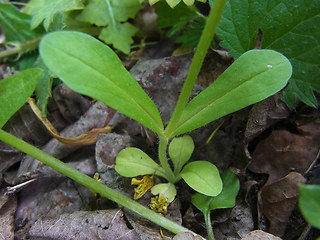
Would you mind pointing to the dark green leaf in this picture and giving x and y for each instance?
(90, 67)
(226, 199)
(290, 27)
(175, 18)
(15, 90)
(15, 24)
(254, 76)
(132, 162)
(203, 177)
(309, 203)
(43, 89)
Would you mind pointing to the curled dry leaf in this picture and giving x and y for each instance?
(84, 139)
(279, 200)
(260, 235)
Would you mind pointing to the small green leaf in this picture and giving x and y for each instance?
(90, 67)
(203, 177)
(119, 35)
(112, 15)
(132, 162)
(15, 91)
(226, 199)
(309, 203)
(45, 10)
(15, 24)
(180, 150)
(254, 76)
(167, 189)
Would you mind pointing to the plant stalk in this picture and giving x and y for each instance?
(91, 183)
(198, 58)
(21, 47)
(207, 219)
(163, 144)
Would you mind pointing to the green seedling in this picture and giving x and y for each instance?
(226, 199)
(91, 68)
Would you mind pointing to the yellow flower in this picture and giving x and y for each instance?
(144, 184)
(97, 177)
(159, 204)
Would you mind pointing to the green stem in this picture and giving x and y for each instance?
(21, 47)
(198, 58)
(207, 219)
(163, 144)
(90, 183)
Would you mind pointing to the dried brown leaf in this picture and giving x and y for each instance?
(84, 139)
(283, 152)
(80, 225)
(260, 235)
(279, 200)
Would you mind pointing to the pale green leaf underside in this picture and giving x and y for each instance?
(132, 162)
(45, 10)
(254, 76)
(290, 27)
(112, 15)
(309, 203)
(226, 199)
(203, 177)
(167, 189)
(180, 151)
(91, 68)
(15, 90)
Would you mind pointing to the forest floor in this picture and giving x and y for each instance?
(271, 148)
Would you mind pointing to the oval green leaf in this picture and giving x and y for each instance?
(91, 68)
(203, 177)
(15, 91)
(226, 199)
(167, 189)
(180, 151)
(309, 203)
(132, 162)
(256, 75)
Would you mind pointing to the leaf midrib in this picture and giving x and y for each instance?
(200, 109)
(120, 88)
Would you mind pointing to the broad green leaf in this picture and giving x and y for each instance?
(254, 76)
(113, 14)
(15, 24)
(15, 91)
(203, 177)
(290, 27)
(45, 10)
(132, 162)
(226, 199)
(167, 189)
(309, 203)
(91, 68)
(180, 150)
